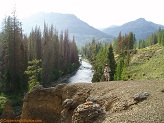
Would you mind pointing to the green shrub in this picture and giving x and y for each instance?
(3, 99)
(33, 71)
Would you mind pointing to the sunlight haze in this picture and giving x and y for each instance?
(97, 13)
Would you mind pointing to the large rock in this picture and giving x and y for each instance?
(44, 104)
(52, 104)
(88, 112)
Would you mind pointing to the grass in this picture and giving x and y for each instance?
(147, 64)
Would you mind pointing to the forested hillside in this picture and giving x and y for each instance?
(40, 58)
(127, 58)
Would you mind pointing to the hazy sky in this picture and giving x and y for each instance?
(97, 13)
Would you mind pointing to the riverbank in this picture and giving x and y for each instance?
(83, 73)
(64, 78)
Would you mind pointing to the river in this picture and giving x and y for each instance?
(83, 74)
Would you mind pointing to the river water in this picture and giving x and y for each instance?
(83, 74)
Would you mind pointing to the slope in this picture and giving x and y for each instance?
(147, 64)
(82, 31)
(140, 27)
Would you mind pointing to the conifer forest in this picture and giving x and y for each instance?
(37, 58)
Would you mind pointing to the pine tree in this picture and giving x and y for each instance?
(74, 55)
(141, 44)
(33, 70)
(120, 41)
(101, 61)
(13, 59)
(119, 69)
(112, 62)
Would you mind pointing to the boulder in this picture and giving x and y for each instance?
(88, 112)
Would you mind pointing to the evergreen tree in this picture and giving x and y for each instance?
(141, 44)
(123, 43)
(161, 37)
(119, 69)
(112, 62)
(120, 41)
(101, 61)
(13, 59)
(34, 72)
(124, 75)
(59, 55)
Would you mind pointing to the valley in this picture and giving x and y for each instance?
(44, 48)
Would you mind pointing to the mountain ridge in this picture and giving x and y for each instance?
(140, 27)
(82, 31)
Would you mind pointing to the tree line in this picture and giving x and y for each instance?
(152, 39)
(54, 54)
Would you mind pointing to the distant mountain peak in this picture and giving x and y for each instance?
(82, 32)
(140, 27)
(141, 19)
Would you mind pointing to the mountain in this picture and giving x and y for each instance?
(140, 27)
(101, 29)
(82, 31)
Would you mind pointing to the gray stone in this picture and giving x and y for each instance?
(67, 103)
(92, 99)
(141, 96)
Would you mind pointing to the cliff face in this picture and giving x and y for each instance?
(105, 102)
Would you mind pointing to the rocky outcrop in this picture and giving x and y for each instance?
(43, 104)
(88, 112)
(105, 102)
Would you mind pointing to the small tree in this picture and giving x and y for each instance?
(120, 65)
(34, 71)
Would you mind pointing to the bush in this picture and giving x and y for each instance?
(3, 99)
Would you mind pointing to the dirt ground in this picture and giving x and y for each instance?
(120, 105)
(116, 98)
